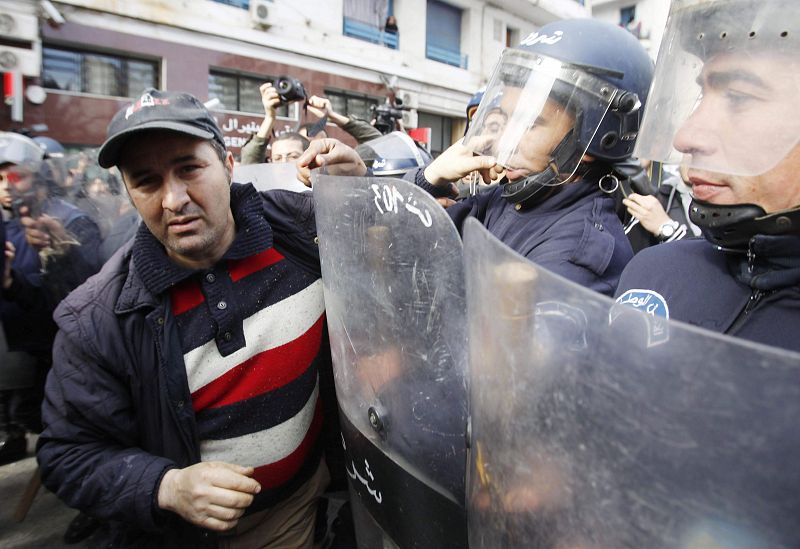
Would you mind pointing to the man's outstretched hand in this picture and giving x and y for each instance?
(336, 157)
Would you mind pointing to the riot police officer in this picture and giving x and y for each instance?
(571, 112)
(724, 103)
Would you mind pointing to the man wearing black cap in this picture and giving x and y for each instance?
(185, 402)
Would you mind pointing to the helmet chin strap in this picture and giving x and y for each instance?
(732, 227)
(536, 187)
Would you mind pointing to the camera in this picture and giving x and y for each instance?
(387, 115)
(290, 89)
(25, 205)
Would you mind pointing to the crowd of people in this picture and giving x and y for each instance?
(189, 397)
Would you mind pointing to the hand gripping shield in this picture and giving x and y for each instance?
(595, 426)
(394, 294)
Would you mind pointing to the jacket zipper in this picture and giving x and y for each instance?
(755, 297)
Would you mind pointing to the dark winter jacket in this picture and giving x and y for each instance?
(574, 233)
(118, 411)
(756, 298)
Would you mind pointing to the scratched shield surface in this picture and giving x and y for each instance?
(603, 425)
(270, 176)
(394, 293)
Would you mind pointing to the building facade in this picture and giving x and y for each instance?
(81, 60)
(646, 19)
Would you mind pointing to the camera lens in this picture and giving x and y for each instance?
(284, 85)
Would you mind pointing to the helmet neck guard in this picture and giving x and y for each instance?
(732, 227)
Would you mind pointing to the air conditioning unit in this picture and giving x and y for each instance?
(19, 26)
(410, 119)
(263, 12)
(25, 61)
(410, 99)
(22, 52)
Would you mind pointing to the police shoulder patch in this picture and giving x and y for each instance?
(647, 301)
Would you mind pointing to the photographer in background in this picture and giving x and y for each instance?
(255, 150)
(285, 90)
(389, 116)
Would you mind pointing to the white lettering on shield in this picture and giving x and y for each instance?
(390, 198)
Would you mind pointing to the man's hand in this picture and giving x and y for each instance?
(271, 100)
(321, 106)
(10, 252)
(457, 162)
(42, 232)
(335, 156)
(648, 210)
(210, 494)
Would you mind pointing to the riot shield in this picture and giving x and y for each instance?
(394, 295)
(595, 426)
(270, 176)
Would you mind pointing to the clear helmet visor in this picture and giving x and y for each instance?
(727, 82)
(538, 112)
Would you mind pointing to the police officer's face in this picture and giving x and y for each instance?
(182, 191)
(5, 193)
(537, 144)
(747, 111)
(286, 150)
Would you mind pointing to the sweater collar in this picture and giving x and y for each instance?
(773, 262)
(253, 235)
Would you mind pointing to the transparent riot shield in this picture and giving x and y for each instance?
(394, 295)
(596, 426)
(270, 176)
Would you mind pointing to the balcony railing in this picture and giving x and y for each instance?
(444, 55)
(369, 33)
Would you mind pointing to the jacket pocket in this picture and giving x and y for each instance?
(595, 249)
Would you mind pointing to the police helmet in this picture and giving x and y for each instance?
(393, 154)
(472, 106)
(574, 87)
(21, 151)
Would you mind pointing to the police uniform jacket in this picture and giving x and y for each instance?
(754, 295)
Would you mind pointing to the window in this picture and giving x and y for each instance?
(627, 20)
(365, 20)
(240, 93)
(512, 37)
(627, 16)
(441, 131)
(352, 104)
(443, 34)
(98, 73)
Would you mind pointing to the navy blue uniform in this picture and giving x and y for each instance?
(574, 233)
(755, 296)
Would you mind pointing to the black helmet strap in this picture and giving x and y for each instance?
(732, 227)
(528, 191)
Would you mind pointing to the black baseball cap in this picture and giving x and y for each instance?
(158, 110)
